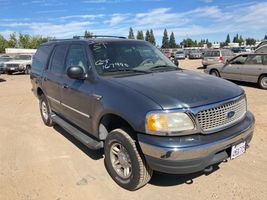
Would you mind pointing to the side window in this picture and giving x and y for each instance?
(76, 57)
(57, 63)
(40, 58)
(254, 60)
(239, 60)
(262, 50)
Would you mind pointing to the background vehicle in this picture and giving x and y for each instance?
(195, 54)
(122, 95)
(179, 55)
(3, 59)
(261, 49)
(216, 56)
(20, 63)
(245, 67)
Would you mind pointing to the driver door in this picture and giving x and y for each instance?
(232, 70)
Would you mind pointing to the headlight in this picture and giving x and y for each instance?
(161, 122)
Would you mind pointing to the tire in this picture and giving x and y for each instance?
(127, 154)
(45, 111)
(27, 70)
(263, 82)
(9, 73)
(215, 72)
(204, 66)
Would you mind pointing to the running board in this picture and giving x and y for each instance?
(79, 135)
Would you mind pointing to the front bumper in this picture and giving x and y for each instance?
(188, 154)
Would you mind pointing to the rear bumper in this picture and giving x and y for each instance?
(188, 154)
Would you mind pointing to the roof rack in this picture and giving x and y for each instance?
(98, 36)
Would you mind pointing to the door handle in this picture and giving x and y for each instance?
(65, 86)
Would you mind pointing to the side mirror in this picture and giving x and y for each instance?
(76, 72)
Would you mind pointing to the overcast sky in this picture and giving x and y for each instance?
(197, 19)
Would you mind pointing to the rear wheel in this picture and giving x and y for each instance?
(263, 82)
(9, 73)
(124, 163)
(45, 111)
(215, 72)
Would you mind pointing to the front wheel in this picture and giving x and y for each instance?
(263, 82)
(214, 72)
(27, 70)
(124, 163)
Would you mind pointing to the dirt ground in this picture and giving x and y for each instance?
(37, 162)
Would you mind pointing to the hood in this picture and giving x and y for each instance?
(181, 89)
(18, 62)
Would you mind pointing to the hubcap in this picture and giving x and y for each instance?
(120, 160)
(44, 110)
(264, 82)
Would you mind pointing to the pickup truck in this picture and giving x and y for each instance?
(149, 115)
(20, 63)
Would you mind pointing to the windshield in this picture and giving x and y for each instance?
(22, 57)
(5, 59)
(120, 57)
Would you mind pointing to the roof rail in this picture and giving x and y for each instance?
(98, 36)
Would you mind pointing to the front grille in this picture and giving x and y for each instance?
(12, 65)
(222, 116)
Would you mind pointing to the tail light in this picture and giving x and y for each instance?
(221, 59)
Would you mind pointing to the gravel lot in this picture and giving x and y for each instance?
(37, 162)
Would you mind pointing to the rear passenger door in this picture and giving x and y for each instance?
(77, 94)
(252, 68)
(52, 77)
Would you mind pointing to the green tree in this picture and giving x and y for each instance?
(3, 44)
(88, 34)
(165, 40)
(152, 37)
(188, 43)
(140, 35)
(235, 39)
(131, 33)
(12, 42)
(265, 37)
(148, 37)
(240, 40)
(172, 41)
(250, 41)
(24, 41)
(228, 40)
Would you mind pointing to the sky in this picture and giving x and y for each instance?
(197, 19)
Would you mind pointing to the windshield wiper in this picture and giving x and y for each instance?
(134, 70)
(163, 67)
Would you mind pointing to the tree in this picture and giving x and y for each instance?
(172, 41)
(250, 41)
(152, 37)
(24, 41)
(235, 39)
(88, 34)
(228, 40)
(3, 44)
(131, 33)
(12, 42)
(265, 37)
(165, 40)
(148, 37)
(240, 40)
(188, 43)
(140, 35)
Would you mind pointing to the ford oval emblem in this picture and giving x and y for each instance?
(230, 114)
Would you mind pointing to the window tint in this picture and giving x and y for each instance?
(41, 57)
(239, 59)
(57, 64)
(76, 57)
(212, 54)
(264, 59)
(262, 50)
(254, 60)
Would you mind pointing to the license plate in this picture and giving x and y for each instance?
(238, 150)
(12, 68)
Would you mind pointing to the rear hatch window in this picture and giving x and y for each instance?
(212, 54)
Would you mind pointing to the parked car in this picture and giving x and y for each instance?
(20, 63)
(238, 50)
(261, 49)
(215, 56)
(245, 67)
(3, 60)
(125, 96)
(179, 55)
(262, 43)
(195, 54)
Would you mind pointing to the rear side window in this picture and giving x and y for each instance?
(254, 60)
(40, 58)
(57, 63)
